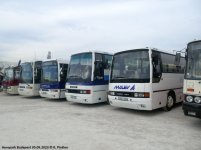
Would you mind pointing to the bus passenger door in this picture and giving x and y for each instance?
(156, 77)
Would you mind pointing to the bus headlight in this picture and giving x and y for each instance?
(29, 87)
(197, 99)
(189, 99)
(111, 93)
(85, 91)
(141, 94)
(54, 90)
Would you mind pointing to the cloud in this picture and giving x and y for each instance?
(66, 27)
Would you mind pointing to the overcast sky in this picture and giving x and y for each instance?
(65, 27)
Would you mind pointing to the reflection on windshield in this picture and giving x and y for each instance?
(8, 74)
(49, 72)
(131, 65)
(193, 68)
(27, 73)
(80, 67)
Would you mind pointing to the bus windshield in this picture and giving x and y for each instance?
(131, 67)
(80, 68)
(49, 72)
(9, 74)
(26, 73)
(193, 66)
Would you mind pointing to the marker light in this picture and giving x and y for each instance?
(190, 90)
(29, 87)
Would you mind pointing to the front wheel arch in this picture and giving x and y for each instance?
(171, 100)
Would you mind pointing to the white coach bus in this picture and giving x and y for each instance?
(30, 77)
(53, 79)
(88, 77)
(192, 80)
(146, 79)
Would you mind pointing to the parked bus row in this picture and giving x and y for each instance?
(143, 79)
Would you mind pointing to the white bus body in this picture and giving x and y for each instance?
(30, 78)
(192, 80)
(88, 77)
(53, 80)
(145, 79)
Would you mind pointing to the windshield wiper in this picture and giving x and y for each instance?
(74, 76)
(119, 77)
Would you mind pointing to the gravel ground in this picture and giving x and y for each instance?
(41, 122)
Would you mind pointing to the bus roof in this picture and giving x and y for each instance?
(146, 48)
(58, 60)
(196, 41)
(12, 67)
(102, 52)
(30, 61)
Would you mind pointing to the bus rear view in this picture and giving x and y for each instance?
(192, 80)
(145, 79)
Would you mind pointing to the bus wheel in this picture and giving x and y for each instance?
(170, 102)
(108, 102)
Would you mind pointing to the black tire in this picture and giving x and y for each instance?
(185, 112)
(170, 102)
(108, 102)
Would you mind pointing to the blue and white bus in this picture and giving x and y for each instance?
(53, 79)
(30, 78)
(88, 76)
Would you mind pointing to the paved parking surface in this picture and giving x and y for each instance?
(42, 122)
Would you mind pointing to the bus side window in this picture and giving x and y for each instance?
(37, 71)
(102, 66)
(157, 71)
(106, 65)
(63, 72)
(99, 70)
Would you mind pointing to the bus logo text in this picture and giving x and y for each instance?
(124, 87)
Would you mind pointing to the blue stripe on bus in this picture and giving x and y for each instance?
(58, 85)
(88, 83)
(106, 77)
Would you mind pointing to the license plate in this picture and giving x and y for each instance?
(44, 92)
(122, 98)
(73, 97)
(21, 89)
(191, 113)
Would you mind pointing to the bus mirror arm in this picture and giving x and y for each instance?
(35, 72)
(61, 74)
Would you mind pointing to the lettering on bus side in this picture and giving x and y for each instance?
(124, 87)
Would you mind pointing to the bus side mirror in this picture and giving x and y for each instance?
(177, 59)
(155, 59)
(37, 72)
(61, 73)
(186, 55)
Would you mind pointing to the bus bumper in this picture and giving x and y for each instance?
(131, 103)
(12, 90)
(27, 92)
(192, 109)
(56, 94)
(80, 98)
